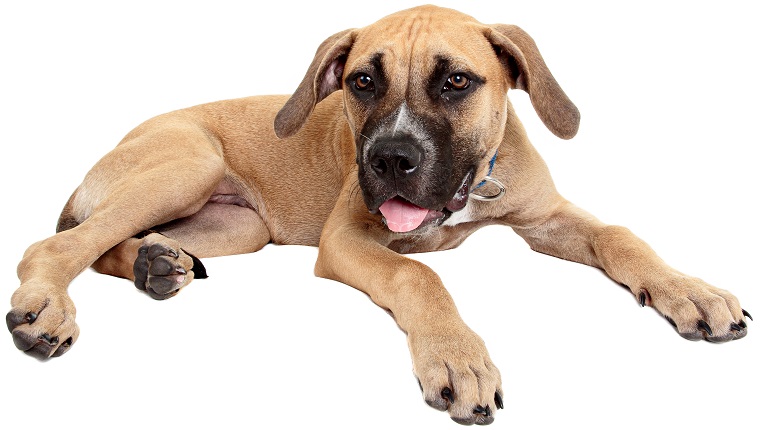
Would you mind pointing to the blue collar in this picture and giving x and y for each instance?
(490, 170)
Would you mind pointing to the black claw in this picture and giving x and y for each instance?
(642, 299)
(63, 348)
(742, 324)
(447, 394)
(702, 325)
(50, 340)
(30, 317)
(746, 314)
(480, 410)
(736, 327)
(498, 400)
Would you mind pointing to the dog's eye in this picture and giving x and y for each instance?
(363, 82)
(457, 82)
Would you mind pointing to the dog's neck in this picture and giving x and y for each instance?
(490, 170)
(489, 179)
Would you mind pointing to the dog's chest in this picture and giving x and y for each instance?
(436, 238)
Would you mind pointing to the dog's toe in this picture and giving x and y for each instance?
(480, 416)
(456, 375)
(161, 268)
(42, 322)
(697, 310)
(40, 347)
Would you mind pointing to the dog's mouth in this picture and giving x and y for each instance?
(403, 216)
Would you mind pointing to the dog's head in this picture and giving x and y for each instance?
(425, 95)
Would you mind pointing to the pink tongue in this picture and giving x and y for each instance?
(402, 216)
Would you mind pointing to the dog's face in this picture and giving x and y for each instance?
(425, 95)
(427, 107)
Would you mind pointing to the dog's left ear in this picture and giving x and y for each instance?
(324, 76)
(527, 71)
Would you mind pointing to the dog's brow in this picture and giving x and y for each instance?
(377, 62)
(374, 66)
(445, 66)
(454, 64)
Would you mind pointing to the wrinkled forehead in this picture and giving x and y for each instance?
(414, 43)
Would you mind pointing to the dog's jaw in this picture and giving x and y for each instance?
(459, 201)
(403, 216)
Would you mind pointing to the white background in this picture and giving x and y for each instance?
(668, 146)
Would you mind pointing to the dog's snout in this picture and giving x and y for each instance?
(395, 159)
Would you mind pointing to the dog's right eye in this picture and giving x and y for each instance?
(364, 82)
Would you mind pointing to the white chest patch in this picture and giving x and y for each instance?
(459, 217)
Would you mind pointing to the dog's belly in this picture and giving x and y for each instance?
(290, 219)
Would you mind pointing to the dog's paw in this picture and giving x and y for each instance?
(695, 308)
(456, 374)
(161, 267)
(42, 321)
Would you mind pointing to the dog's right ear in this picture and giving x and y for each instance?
(324, 76)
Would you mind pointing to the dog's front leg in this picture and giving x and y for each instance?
(449, 359)
(697, 309)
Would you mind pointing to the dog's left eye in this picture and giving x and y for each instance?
(363, 82)
(457, 82)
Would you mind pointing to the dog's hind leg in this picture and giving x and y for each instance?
(155, 263)
(164, 170)
(166, 259)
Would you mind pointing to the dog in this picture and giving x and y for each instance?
(420, 148)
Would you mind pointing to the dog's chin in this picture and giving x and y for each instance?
(402, 215)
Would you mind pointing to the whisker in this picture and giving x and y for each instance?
(354, 190)
(366, 137)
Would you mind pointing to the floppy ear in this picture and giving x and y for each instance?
(325, 75)
(528, 72)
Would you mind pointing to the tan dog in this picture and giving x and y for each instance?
(391, 164)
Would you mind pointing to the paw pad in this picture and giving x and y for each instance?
(161, 270)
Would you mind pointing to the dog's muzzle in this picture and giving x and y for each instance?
(401, 172)
(394, 162)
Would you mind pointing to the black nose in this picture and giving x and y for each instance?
(394, 159)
